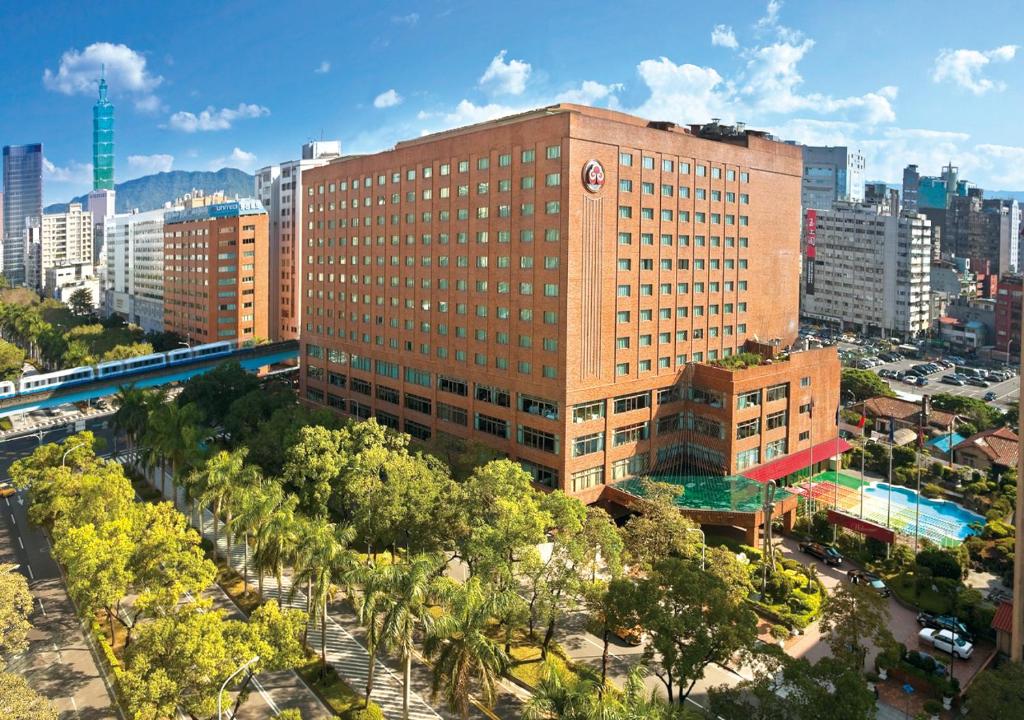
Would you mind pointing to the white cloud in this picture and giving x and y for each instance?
(685, 93)
(410, 19)
(323, 68)
(79, 71)
(388, 98)
(212, 119)
(149, 104)
(723, 36)
(468, 113)
(965, 67)
(140, 165)
(591, 92)
(506, 77)
(238, 158)
(73, 173)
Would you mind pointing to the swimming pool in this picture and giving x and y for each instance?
(937, 516)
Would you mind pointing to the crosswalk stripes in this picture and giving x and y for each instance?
(345, 653)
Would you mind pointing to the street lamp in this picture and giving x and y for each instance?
(254, 659)
(73, 447)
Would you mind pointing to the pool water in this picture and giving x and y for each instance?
(952, 519)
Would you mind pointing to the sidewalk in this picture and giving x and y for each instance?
(348, 657)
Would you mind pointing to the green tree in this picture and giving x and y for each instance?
(15, 607)
(12, 359)
(312, 466)
(277, 542)
(81, 302)
(214, 391)
(126, 351)
(255, 504)
(864, 384)
(853, 615)
(175, 432)
(658, 530)
(132, 414)
(323, 559)
(20, 702)
(218, 483)
(465, 658)
(407, 589)
(973, 411)
(997, 693)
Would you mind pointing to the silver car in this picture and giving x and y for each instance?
(947, 641)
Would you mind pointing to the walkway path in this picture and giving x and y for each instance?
(348, 657)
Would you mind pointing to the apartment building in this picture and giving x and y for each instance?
(870, 270)
(215, 270)
(831, 174)
(65, 240)
(280, 189)
(133, 283)
(541, 282)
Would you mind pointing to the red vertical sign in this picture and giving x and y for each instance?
(810, 236)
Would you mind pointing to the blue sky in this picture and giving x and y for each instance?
(244, 84)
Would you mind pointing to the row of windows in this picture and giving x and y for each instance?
(668, 215)
(647, 163)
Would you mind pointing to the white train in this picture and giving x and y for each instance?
(117, 368)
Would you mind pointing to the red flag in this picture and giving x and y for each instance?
(920, 439)
(862, 421)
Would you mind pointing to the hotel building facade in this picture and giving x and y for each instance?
(215, 272)
(551, 283)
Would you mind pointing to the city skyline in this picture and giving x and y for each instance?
(215, 100)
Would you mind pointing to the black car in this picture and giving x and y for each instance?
(944, 622)
(859, 577)
(827, 553)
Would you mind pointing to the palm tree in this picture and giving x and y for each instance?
(407, 590)
(254, 506)
(463, 654)
(216, 484)
(132, 413)
(176, 433)
(276, 543)
(557, 698)
(323, 559)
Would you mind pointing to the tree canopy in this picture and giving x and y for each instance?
(864, 384)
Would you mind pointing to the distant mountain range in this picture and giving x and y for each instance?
(152, 191)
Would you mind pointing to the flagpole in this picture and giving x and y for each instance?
(835, 500)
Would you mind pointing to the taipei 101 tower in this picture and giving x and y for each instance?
(102, 198)
(103, 140)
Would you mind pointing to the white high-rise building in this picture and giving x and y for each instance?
(279, 188)
(831, 174)
(871, 270)
(65, 239)
(101, 204)
(133, 280)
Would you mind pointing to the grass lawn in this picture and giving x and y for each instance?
(231, 581)
(528, 668)
(338, 696)
(929, 600)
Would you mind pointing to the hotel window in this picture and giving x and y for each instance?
(418, 403)
(622, 369)
(528, 156)
(748, 429)
(624, 290)
(553, 179)
(647, 188)
(493, 395)
(584, 412)
(775, 420)
(805, 435)
(625, 186)
(628, 403)
(622, 316)
(452, 385)
(625, 211)
(387, 394)
(667, 190)
(588, 444)
(625, 238)
(630, 467)
(748, 399)
(777, 392)
(482, 163)
(774, 449)
(625, 159)
(526, 182)
(699, 217)
(716, 173)
(701, 170)
(537, 439)
(631, 434)
(648, 163)
(805, 381)
(554, 152)
(583, 479)
(552, 207)
(748, 458)
(452, 414)
(647, 213)
(744, 177)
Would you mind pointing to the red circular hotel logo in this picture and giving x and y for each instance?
(593, 176)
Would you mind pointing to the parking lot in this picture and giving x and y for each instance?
(1005, 392)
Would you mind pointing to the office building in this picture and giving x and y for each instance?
(103, 141)
(280, 189)
(870, 271)
(911, 187)
(1009, 297)
(831, 174)
(23, 202)
(65, 240)
(215, 271)
(133, 283)
(61, 282)
(542, 283)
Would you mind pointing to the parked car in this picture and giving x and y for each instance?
(944, 622)
(956, 360)
(886, 373)
(951, 380)
(911, 379)
(864, 365)
(827, 553)
(978, 382)
(860, 577)
(922, 381)
(6, 488)
(944, 363)
(990, 396)
(947, 641)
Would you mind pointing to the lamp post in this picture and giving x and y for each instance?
(73, 447)
(863, 452)
(254, 659)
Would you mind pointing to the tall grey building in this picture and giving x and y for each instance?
(872, 270)
(23, 203)
(831, 174)
(911, 187)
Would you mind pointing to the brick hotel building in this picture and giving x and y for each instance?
(215, 272)
(556, 284)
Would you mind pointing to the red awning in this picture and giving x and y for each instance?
(799, 460)
(1003, 619)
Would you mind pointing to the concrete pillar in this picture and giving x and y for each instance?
(752, 536)
(789, 520)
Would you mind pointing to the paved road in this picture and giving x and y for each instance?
(58, 663)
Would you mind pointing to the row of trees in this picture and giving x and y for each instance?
(18, 701)
(140, 568)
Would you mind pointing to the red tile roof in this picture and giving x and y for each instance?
(1001, 446)
(1003, 619)
(796, 461)
(905, 411)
